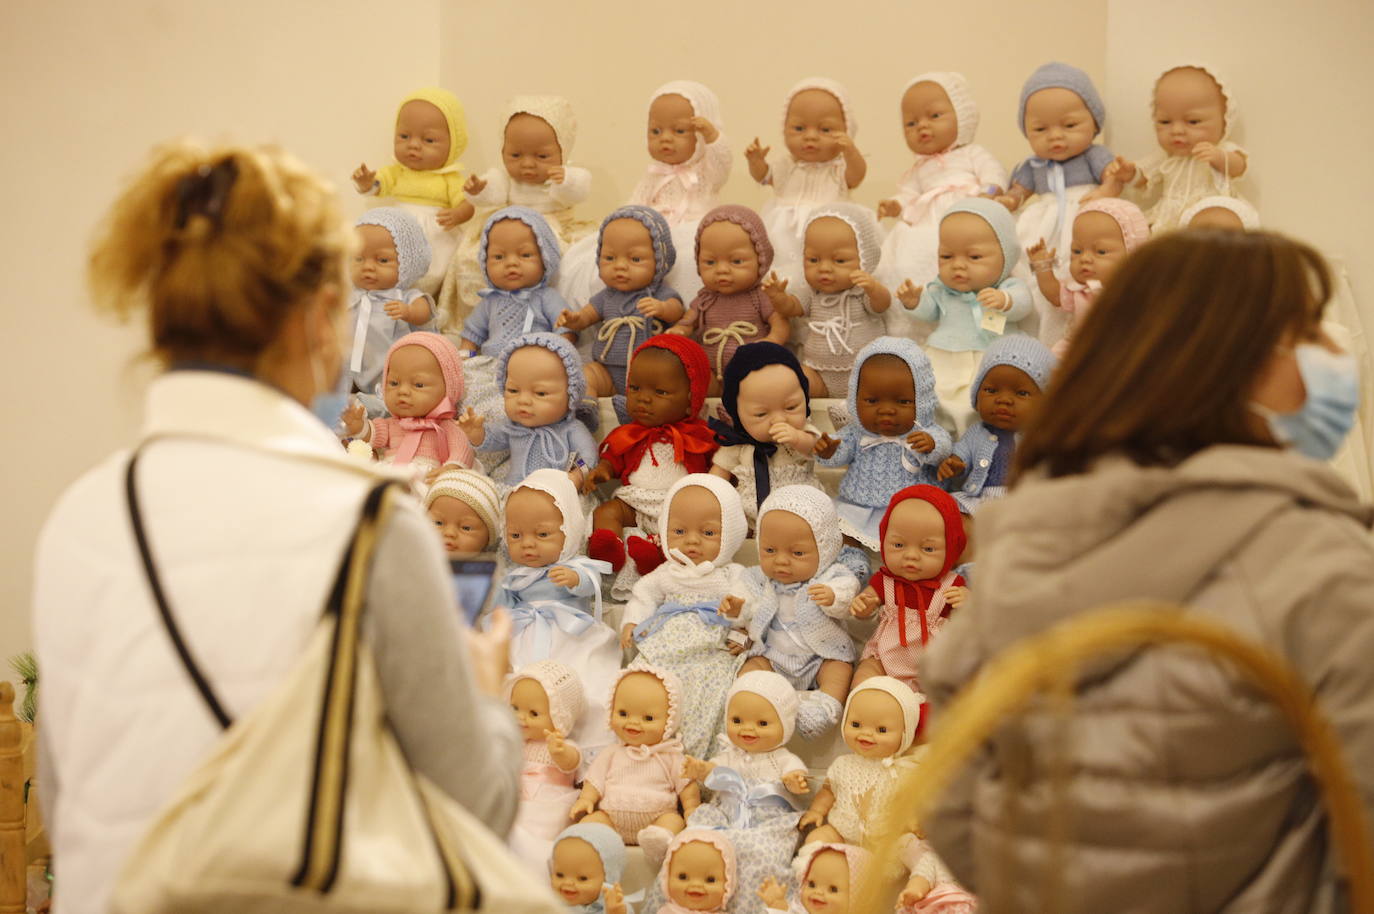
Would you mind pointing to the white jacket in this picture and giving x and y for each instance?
(248, 502)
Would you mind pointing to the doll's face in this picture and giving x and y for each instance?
(657, 391)
(727, 262)
(788, 552)
(873, 725)
(513, 258)
(639, 710)
(422, 140)
(971, 257)
(1189, 109)
(770, 395)
(576, 872)
(1059, 125)
(530, 149)
(752, 723)
(536, 391)
(672, 138)
(1098, 248)
(825, 890)
(1008, 398)
(696, 877)
(694, 524)
(375, 262)
(414, 383)
(928, 119)
(886, 396)
(830, 254)
(531, 706)
(814, 120)
(627, 255)
(914, 547)
(463, 531)
(1217, 217)
(534, 528)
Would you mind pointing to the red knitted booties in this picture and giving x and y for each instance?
(646, 554)
(605, 546)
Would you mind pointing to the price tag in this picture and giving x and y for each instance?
(994, 321)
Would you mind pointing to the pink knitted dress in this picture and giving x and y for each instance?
(728, 321)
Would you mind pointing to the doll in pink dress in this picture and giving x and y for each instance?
(547, 700)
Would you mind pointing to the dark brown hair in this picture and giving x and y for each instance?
(1165, 363)
(217, 246)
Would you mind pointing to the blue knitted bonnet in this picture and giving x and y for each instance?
(665, 255)
(995, 215)
(412, 247)
(572, 362)
(1062, 76)
(921, 372)
(1019, 351)
(604, 841)
(543, 236)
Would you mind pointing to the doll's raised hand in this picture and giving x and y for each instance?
(949, 467)
(757, 156)
(353, 417)
(474, 426)
(955, 596)
(474, 185)
(557, 173)
(1211, 154)
(825, 446)
(921, 442)
(821, 594)
(695, 769)
(1115, 177)
(865, 281)
(564, 755)
(708, 130)
(889, 209)
(865, 604)
(796, 438)
(773, 894)
(796, 782)
(413, 312)
(563, 576)
(364, 178)
(614, 899)
(664, 309)
(627, 636)
(783, 302)
(1041, 256)
(909, 294)
(730, 606)
(995, 299)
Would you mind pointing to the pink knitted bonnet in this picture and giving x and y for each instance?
(716, 839)
(1135, 231)
(444, 352)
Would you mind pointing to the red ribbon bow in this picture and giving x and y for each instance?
(693, 445)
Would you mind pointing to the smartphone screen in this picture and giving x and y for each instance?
(474, 585)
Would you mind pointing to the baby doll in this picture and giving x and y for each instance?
(519, 255)
(699, 873)
(392, 255)
(466, 509)
(939, 121)
(547, 700)
(537, 141)
(820, 164)
(891, 441)
(426, 178)
(689, 163)
(664, 441)
(1193, 116)
(1104, 232)
(680, 613)
(880, 721)
(804, 594)
(1230, 213)
(922, 538)
(635, 785)
(931, 887)
(769, 441)
(550, 587)
(733, 255)
(975, 299)
(635, 252)
(843, 300)
(1006, 393)
(828, 879)
(422, 381)
(585, 869)
(543, 389)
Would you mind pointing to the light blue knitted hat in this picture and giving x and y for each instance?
(572, 362)
(1062, 76)
(921, 372)
(995, 215)
(604, 841)
(665, 255)
(1019, 351)
(543, 235)
(412, 247)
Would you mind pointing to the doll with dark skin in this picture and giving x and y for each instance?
(887, 404)
(1007, 399)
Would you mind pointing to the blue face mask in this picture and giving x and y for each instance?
(328, 405)
(1321, 424)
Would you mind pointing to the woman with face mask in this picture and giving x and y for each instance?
(234, 257)
(1178, 456)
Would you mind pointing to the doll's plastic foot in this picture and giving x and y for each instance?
(653, 841)
(817, 713)
(605, 546)
(645, 554)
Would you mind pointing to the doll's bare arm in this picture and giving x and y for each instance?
(474, 426)
(667, 310)
(722, 472)
(855, 167)
(580, 319)
(950, 467)
(779, 328)
(879, 299)
(690, 797)
(889, 208)
(697, 769)
(414, 312)
(757, 157)
(917, 887)
(563, 751)
(1231, 162)
(865, 604)
(784, 302)
(364, 179)
(586, 802)
(826, 447)
(688, 324)
(820, 807)
(1041, 258)
(455, 215)
(1014, 197)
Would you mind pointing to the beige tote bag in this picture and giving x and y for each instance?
(307, 804)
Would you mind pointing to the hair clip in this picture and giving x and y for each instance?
(204, 192)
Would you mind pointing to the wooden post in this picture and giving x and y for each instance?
(13, 856)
